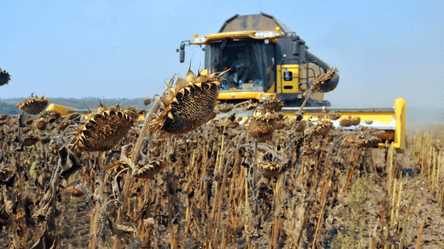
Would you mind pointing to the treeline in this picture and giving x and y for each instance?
(8, 105)
(8, 108)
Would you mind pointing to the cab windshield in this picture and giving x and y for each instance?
(251, 64)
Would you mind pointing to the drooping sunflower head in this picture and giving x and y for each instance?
(6, 171)
(30, 140)
(50, 116)
(4, 77)
(273, 104)
(356, 120)
(369, 142)
(40, 124)
(270, 164)
(346, 122)
(33, 105)
(225, 107)
(103, 129)
(327, 82)
(334, 115)
(250, 106)
(321, 129)
(271, 169)
(262, 124)
(189, 104)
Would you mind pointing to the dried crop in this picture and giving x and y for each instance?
(33, 105)
(310, 186)
(4, 77)
(103, 129)
(273, 104)
(189, 104)
(262, 124)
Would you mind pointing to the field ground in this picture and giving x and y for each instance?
(328, 192)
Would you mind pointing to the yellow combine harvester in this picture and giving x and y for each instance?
(269, 61)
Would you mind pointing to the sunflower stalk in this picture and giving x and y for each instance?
(135, 159)
(146, 126)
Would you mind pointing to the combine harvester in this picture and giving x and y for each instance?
(269, 61)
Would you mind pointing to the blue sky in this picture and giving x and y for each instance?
(127, 49)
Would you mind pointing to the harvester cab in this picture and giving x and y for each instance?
(266, 60)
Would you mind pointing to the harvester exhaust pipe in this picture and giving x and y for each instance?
(333, 82)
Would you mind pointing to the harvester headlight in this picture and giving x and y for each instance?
(199, 39)
(266, 34)
(263, 96)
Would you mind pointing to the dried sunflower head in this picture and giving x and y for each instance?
(33, 105)
(326, 82)
(355, 120)
(273, 104)
(44, 139)
(150, 169)
(334, 115)
(132, 112)
(25, 130)
(4, 77)
(225, 107)
(6, 171)
(271, 169)
(301, 126)
(381, 134)
(115, 167)
(369, 142)
(75, 116)
(103, 129)
(64, 125)
(189, 104)
(4, 116)
(51, 116)
(262, 124)
(147, 101)
(346, 122)
(28, 120)
(30, 140)
(321, 129)
(308, 151)
(40, 124)
(250, 106)
(283, 122)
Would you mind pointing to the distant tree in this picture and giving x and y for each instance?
(8, 105)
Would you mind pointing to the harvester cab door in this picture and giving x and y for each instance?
(288, 78)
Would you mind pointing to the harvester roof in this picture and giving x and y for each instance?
(257, 22)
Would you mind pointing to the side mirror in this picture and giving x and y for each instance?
(182, 56)
(182, 53)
